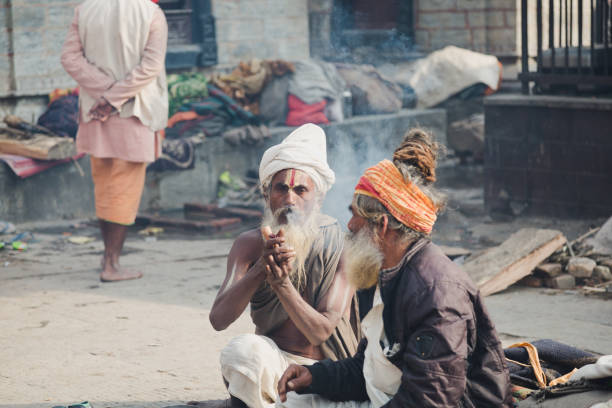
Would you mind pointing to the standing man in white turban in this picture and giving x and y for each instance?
(291, 273)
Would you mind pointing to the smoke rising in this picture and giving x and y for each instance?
(351, 150)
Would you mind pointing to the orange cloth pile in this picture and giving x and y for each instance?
(405, 201)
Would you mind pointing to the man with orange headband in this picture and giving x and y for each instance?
(115, 50)
(428, 340)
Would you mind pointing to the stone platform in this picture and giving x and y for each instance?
(354, 144)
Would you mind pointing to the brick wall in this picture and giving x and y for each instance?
(481, 25)
(261, 28)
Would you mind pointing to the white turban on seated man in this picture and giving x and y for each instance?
(291, 274)
(305, 150)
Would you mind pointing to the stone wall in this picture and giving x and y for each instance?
(262, 29)
(32, 33)
(6, 48)
(488, 26)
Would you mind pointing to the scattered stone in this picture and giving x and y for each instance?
(581, 267)
(564, 281)
(606, 262)
(550, 269)
(467, 135)
(531, 281)
(602, 273)
(602, 241)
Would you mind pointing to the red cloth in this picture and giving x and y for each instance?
(301, 113)
(26, 167)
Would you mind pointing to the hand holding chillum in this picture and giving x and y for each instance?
(278, 258)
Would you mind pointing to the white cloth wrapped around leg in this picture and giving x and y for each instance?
(382, 378)
(295, 400)
(252, 365)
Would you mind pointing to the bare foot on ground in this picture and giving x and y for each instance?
(117, 273)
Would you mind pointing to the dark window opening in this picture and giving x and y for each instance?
(191, 33)
(371, 31)
(179, 15)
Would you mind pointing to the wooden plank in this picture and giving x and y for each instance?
(17, 123)
(209, 225)
(501, 266)
(38, 147)
(245, 213)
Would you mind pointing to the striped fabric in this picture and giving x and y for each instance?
(405, 201)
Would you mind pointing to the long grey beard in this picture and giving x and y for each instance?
(300, 232)
(363, 259)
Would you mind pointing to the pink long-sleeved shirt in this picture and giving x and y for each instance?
(123, 138)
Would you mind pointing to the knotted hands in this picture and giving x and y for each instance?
(101, 110)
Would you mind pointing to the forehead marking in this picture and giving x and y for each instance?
(292, 182)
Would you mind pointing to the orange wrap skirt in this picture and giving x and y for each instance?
(118, 186)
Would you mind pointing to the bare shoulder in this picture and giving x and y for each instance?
(248, 245)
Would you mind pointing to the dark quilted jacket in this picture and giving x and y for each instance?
(447, 347)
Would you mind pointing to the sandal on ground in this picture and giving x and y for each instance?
(6, 227)
(84, 404)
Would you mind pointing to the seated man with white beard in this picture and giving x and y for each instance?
(293, 278)
(428, 340)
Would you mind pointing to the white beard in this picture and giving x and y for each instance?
(300, 231)
(363, 258)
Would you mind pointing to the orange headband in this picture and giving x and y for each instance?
(404, 201)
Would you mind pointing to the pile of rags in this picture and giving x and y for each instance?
(447, 72)
(311, 94)
(214, 115)
(246, 82)
(547, 373)
(208, 117)
(372, 92)
(62, 114)
(185, 88)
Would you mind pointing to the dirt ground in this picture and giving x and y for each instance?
(65, 337)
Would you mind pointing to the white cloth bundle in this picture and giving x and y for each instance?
(304, 149)
(601, 369)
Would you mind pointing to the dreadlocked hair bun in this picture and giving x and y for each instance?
(416, 156)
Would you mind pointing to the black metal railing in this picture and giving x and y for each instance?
(577, 55)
